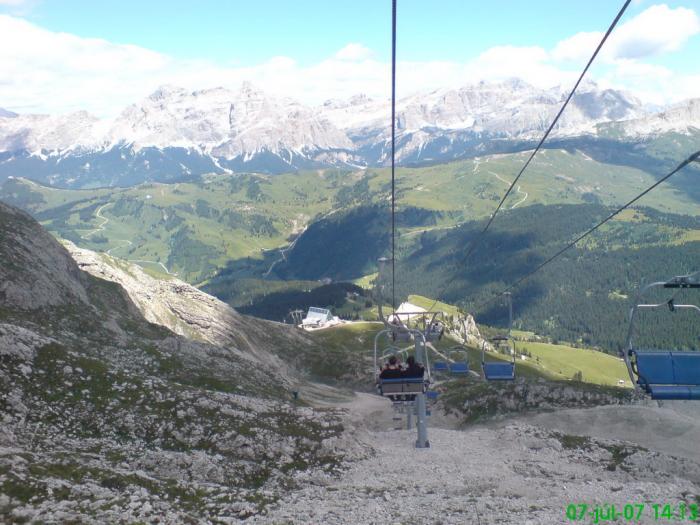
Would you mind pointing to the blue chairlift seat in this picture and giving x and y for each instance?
(498, 370)
(668, 374)
(432, 394)
(401, 385)
(440, 366)
(459, 367)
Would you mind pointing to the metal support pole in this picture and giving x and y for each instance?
(409, 416)
(422, 420)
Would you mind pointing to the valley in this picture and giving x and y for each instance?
(253, 239)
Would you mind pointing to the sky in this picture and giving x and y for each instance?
(58, 56)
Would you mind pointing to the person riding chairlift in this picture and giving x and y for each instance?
(391, 369)
(413, 370)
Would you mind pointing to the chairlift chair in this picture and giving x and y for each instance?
(440, 366)
(460, 364)
(401, 385)
(434, 329)
(664, 374)
(501, 370)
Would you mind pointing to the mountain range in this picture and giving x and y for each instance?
(175, 134)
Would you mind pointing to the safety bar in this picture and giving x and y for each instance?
(423, 360)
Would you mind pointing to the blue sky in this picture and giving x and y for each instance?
(63, 55)
(250, 32)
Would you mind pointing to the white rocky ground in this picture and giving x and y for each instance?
(516, 472)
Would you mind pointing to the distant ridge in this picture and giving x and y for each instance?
(175, 134)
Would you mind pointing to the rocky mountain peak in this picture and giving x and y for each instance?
(166, 92)
(220, 129)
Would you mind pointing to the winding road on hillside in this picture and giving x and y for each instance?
(508, 183)
(126, 242)
(283, 251)
(100, 227)
(520, 201)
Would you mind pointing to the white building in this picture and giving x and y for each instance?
(319, 318)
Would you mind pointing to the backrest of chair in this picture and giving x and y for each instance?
(498, 370)
(655, 368)
(439, 366)
(412, 388)
(459, 367)
(686, 368)
(410, 385)
(391, 388)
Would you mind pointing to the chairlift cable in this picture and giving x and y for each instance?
(475, 241)
(695, 157)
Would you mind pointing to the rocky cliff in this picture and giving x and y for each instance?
(107, 417)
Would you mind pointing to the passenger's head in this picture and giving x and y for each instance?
(392, 360)
(411, 360)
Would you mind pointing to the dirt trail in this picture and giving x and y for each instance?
(525, 471)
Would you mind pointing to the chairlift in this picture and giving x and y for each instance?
(440, 366)
(400, 385)
(664, 374)
(501, 370)
(459, 364)
(435, 328)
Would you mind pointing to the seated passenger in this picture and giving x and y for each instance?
(413, 369)
(391, 370)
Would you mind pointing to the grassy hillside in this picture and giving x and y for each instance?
(348, 351)
(239, 222)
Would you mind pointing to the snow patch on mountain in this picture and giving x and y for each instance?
(225, 123)
(247, 129)
(683, 117)
(48, 132)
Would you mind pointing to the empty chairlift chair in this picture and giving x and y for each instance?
(460, 361)
(433, 329)
(501, 370)
(440, 367)
(664, 374)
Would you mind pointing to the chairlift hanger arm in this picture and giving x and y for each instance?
(684, 281)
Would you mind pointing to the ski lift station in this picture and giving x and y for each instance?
(319, 318)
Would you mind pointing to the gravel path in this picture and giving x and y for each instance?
(515, 473)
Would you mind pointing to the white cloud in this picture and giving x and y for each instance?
(45, 71)
(577, 48)
(13, 3)
(656, 30)
(354, 52)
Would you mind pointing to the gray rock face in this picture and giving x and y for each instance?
(36, 271)
(187, 311)
(106, 417)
